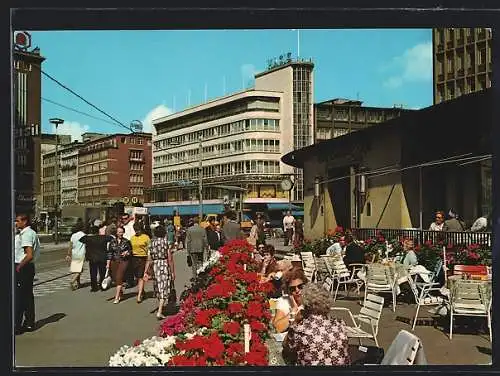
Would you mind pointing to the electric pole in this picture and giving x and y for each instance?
(56, 122)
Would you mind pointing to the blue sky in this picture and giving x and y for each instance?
(138, 75)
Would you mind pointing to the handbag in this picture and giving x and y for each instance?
(106, 282)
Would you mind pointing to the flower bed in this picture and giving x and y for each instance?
(209, 327)
(428, 253)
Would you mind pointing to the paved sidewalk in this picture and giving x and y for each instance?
(83, 329)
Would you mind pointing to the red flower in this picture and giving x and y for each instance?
(204, 317)
(137, 343)
(254, 358)
(214, 347)
(235, 348)
(257, 326)
(232, 328)
(181, 360)
(254, 309)
(235, 307)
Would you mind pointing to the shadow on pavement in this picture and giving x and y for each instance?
(48, 320)
(484, 350)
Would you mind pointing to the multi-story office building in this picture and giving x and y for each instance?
(239, 140)
(69, 174)
(26, 86)
(51, 187)
(114, 168)
(461, 61)
(338, 117)
(45, 144)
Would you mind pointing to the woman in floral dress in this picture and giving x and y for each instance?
(163, 266)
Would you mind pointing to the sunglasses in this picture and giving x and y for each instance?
(298, 287)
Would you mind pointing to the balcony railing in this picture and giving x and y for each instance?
(421, 236)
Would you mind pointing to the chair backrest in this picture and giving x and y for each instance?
(340, 269)
(372, 310)
(470, 269)
(378, 274)
(403, 349)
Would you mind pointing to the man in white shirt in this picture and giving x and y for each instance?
(288, 224)
(128, 225)
(337, 249)
(26, 252)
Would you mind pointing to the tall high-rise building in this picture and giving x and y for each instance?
(239, 140)
(461, 61)
(26, 86)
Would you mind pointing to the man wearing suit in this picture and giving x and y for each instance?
(214, 237)
(196, 244)
(231, 229)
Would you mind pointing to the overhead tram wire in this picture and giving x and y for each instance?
(437, 162)
(77, 111)
(86, 101)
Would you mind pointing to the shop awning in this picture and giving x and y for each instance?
(186, 209)
(282, 206)
(298, 213)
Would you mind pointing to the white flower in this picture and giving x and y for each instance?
(154, 351)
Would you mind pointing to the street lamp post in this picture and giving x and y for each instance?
(200, 179)
(56, 122)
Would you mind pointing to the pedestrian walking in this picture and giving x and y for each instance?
(76, 255)
(298, 234)
(26, 252)
(118, 257)
(196, 244)
(140, 247)
(160, 257)
(128, 225)
(95, 253)
(288, 225)
(214, 238)
(231, 229)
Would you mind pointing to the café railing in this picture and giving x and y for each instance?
(421, 236)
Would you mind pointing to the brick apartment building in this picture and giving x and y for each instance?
(114, 168)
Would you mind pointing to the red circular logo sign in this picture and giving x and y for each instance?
(22, 39)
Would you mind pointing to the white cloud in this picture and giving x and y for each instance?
(155, 113)
(248, 72)
(72, 128)
(414, 65)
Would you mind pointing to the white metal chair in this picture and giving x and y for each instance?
(424, 296)
(308, 265)
(369, 315)
(321, 269)
(469, 298)
(379, 279)
(403, 350)
(343, 276)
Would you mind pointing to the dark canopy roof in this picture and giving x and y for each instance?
(441, 124)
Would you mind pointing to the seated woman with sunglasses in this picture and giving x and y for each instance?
(315, 338)
(288, 307)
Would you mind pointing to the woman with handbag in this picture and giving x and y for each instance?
(160, 256)
(118, 255)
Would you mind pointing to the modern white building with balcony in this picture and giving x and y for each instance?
(69, 174)
(239, 140)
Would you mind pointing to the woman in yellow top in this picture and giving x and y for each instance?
(140, 247)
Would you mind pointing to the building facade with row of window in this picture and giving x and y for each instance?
(235, 141)
(100, 171)
(462, 61)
